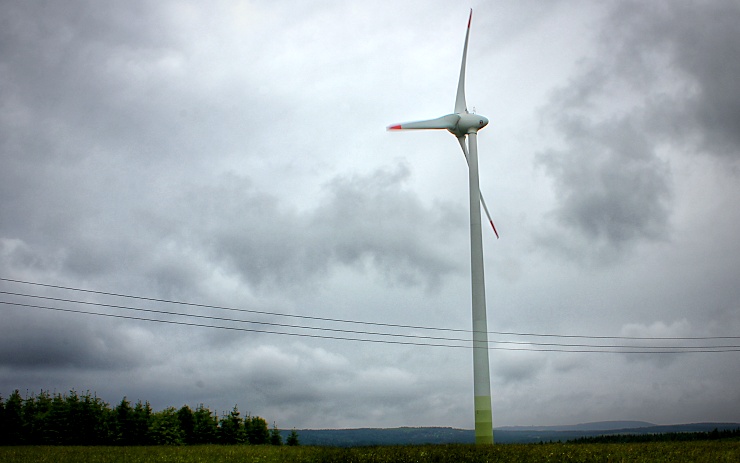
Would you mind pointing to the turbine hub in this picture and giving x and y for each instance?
(469, 123)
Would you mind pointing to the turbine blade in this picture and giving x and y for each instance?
(482, 201)
(448, 122)
(490, 220)
(460, 105)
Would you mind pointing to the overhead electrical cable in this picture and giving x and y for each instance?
(540, 348)
(336, 330)
(236, 320)
(336, 320)
(233, 328)
(209, 306)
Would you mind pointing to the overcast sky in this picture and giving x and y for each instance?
(234, 154)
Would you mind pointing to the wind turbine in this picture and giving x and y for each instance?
(462, 125)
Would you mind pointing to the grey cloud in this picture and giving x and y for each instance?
(86, 85)
(98, 127)
(374, 215)
(517, 369)
(660, 80)
(68, 77)
(16, 255)
(610, 185)
(706, 59)
(362, 217)
(61, 342)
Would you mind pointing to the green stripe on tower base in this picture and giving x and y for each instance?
(483, 420)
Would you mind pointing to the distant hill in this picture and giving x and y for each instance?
(383, 436)
(504, 435)
(595, 426)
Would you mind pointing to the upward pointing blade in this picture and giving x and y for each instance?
(482, 201)
(460, 105)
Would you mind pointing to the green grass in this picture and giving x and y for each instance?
(658, 452)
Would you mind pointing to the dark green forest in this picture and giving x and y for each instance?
(85, 419)
(715, 434)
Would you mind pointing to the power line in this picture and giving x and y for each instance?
(358, 322)
(585, 349)
(353, 332)
(210, 317)
(208, 306)
(233, 328)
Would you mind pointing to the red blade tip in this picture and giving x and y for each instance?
(494, 228)
(394, 127)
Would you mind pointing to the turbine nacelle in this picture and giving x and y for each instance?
(468, 123)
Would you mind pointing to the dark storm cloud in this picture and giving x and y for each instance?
(701, 43)
(661, 79)
(33, 339)
(611, 185)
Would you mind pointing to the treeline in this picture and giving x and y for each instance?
(659, 437)
(74, 419)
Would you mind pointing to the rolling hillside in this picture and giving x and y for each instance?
(504, 435)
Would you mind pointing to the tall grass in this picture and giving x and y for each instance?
(660, 452)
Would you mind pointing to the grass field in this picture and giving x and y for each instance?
(705, 451)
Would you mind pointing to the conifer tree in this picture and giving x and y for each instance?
(231, 428)
(205, 426)
(275, 437)
(13, 420)
(187, 424)
(122, 424)
(292, 439)
(257, 430)
(165, 428)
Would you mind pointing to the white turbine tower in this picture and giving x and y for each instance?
(462, 125)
